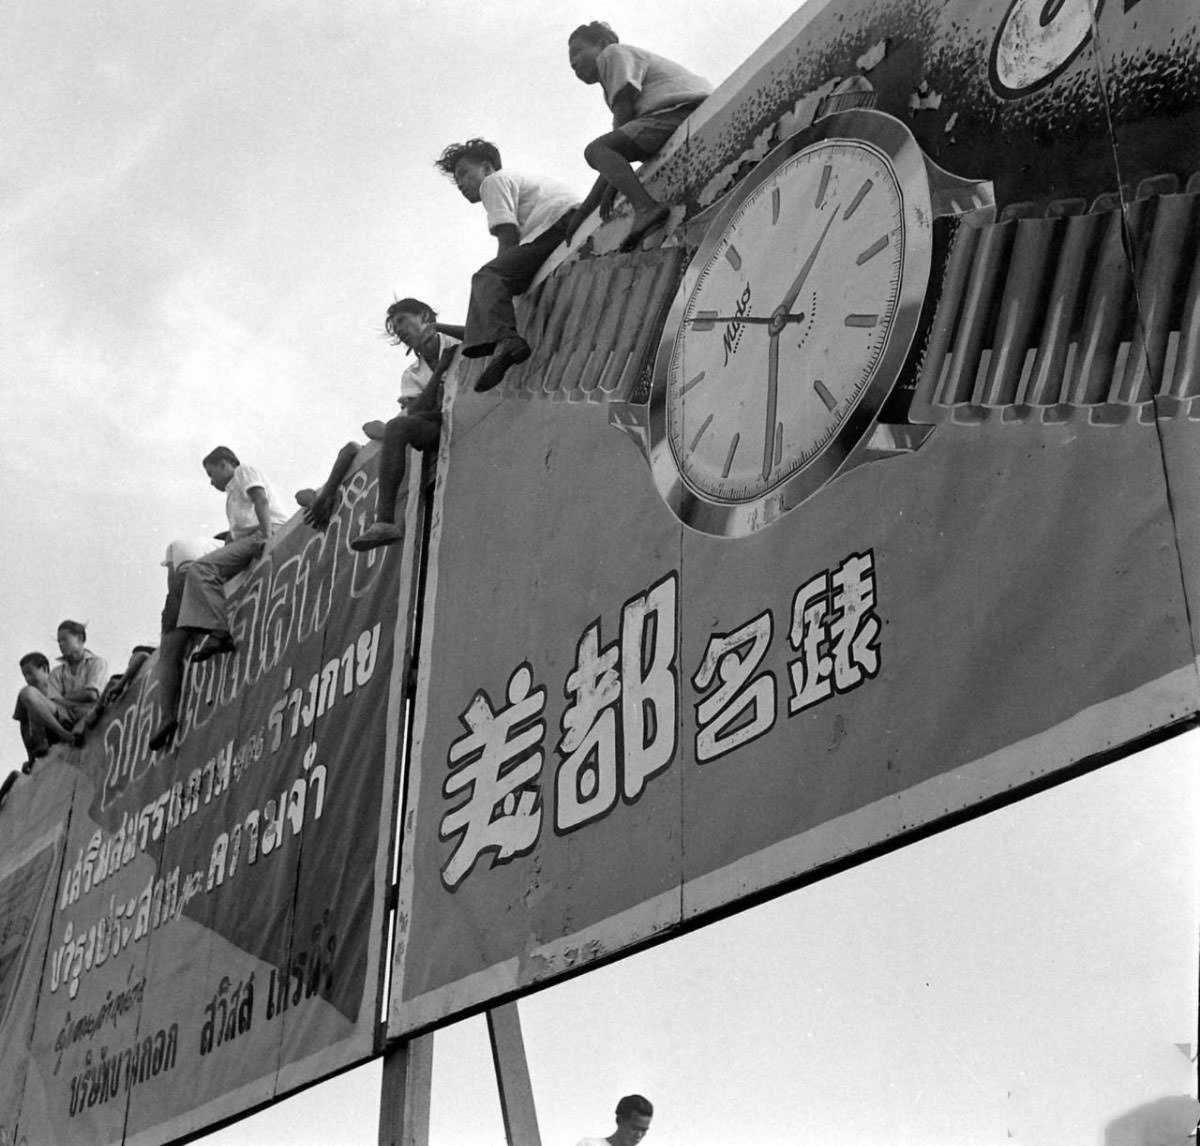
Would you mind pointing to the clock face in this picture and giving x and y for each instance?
(790, 328)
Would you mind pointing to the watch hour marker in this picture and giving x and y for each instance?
(692, 382)
(823, 392)
(774, 206)
(825, 174)
(859, 196)
(729, 456)
(861, 319)
(701, 432)
(874, 249)
(733, 258)
(704, 320)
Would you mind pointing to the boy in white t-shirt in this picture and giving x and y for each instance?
(413, 324)
(650, 96)
(529, 217)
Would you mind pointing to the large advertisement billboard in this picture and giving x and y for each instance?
(192, 932)
(858, 507)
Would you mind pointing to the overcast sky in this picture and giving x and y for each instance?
(204, 212)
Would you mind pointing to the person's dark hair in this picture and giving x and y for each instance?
(634, 1104)
(479, 150)
(38, 660)
(221, 454)
(75, 628)
(415, 306)
(597, 32)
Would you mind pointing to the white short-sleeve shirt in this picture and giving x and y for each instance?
(239, 509)
(528, 202)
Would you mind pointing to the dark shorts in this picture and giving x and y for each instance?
(650, 132)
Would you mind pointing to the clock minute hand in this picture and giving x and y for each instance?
(802, 277)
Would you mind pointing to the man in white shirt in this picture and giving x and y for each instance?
(633, 1123)
(254, 512)
(650, 96)
(529, 217)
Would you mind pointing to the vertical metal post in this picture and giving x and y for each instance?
(404, 1095)
(512, 1076)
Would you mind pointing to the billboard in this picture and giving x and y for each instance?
(860, 505)
(191, 933)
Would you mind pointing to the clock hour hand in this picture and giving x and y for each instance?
(705, 321)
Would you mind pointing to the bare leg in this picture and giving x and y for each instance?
(40, 715)
(40, 725)
(319, 508)
(610, 155)
(170, 683)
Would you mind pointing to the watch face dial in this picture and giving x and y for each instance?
(789, 327)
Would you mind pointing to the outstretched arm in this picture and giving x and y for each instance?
(601, 195)
(459, 332)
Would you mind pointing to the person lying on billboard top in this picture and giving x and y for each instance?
(650, 96)
(633, 1123)
(429, 342)
(254, 511)
(413, 323)
(529, 216)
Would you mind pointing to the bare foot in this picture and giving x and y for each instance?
(320, 510)
(643, 222)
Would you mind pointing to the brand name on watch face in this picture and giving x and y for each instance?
(733, 332)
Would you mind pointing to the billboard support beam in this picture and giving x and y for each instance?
(512, 1076)
(404, 1094)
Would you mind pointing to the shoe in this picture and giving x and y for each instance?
(375, 429)
(508, 352)
(305, 497)
(163, 736)
(213, 645)
(377, 534)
